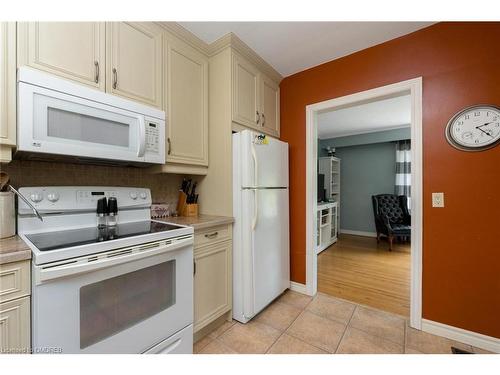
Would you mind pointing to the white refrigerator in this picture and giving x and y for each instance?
(261, 251)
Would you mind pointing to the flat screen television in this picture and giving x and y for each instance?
(321, 188)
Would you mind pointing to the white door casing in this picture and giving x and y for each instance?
(414, 88)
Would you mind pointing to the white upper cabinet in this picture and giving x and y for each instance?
(186, 104)
(72, 50)
(7, 90)
(134, 61)
(246, 93)
(256, 98)
(270, 106)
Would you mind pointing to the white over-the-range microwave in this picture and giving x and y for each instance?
(58, 118)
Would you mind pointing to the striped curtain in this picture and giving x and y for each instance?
(403, 169)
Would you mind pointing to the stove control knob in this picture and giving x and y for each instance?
(143, 195)
(53, 197)
(133, 195)
(36, 197)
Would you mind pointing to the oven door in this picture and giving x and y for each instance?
(123, 301)
(57, 123)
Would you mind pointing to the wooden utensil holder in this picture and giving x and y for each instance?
(186, 209)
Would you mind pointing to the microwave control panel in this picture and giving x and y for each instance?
(152, 137)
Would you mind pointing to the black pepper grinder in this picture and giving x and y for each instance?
(113, 212)
(102, 212)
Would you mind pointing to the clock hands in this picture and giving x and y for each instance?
(486, 132)
(480, 126)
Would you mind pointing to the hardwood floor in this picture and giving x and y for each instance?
(357, 269)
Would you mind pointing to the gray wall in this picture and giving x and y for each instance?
(365, 170)
(363, 139)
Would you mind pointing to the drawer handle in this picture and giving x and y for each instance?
(211, 235)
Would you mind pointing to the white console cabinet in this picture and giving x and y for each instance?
(327, 225)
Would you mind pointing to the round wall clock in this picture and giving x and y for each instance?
(474, 128)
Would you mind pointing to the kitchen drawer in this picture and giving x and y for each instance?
(212, 235)
(14, 280)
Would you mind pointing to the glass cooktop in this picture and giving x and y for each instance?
(90, 235)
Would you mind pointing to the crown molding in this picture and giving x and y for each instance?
(186, 36)
(231, 40)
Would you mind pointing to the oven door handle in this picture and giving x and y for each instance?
(104, 260)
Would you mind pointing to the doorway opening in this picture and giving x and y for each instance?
(363, 220)
(411, 91)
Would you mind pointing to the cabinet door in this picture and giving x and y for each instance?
(7, 90)
(187, 105)
(246, 93)
(72, 50)
(15, 326)
(270, 109)
(212, 283)
(134, 63)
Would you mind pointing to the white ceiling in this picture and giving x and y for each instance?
(366, 118)
(291, 47)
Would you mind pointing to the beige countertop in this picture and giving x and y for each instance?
(198, 222)
(13, 249)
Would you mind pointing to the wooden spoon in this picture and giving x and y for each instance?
(4, 181)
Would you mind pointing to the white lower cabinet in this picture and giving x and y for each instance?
(212, 276)
(15, 307)
(15, 326)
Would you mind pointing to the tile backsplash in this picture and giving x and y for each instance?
(164, 187)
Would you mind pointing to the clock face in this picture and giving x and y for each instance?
(475, 128)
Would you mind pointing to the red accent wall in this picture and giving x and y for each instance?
(460, 66)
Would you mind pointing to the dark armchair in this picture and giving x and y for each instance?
(392, 217)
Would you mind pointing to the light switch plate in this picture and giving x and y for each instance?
(437, 199)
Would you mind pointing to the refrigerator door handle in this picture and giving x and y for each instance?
(255, 209)
(255, 165)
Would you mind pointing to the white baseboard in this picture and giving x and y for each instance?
(358, 233)
(298, 287)
(458, 334)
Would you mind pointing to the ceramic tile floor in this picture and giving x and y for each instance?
(295, 324)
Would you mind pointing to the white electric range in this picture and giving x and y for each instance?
(123, 289)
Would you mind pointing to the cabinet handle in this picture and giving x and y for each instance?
(212, 235)
(96, 65)
(194, 267)
(258, 117)
(115, 78)
(263, 120)
(169, 149)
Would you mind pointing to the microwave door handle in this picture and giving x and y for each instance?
(142, 137)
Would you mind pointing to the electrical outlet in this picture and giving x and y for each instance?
(437, 199)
